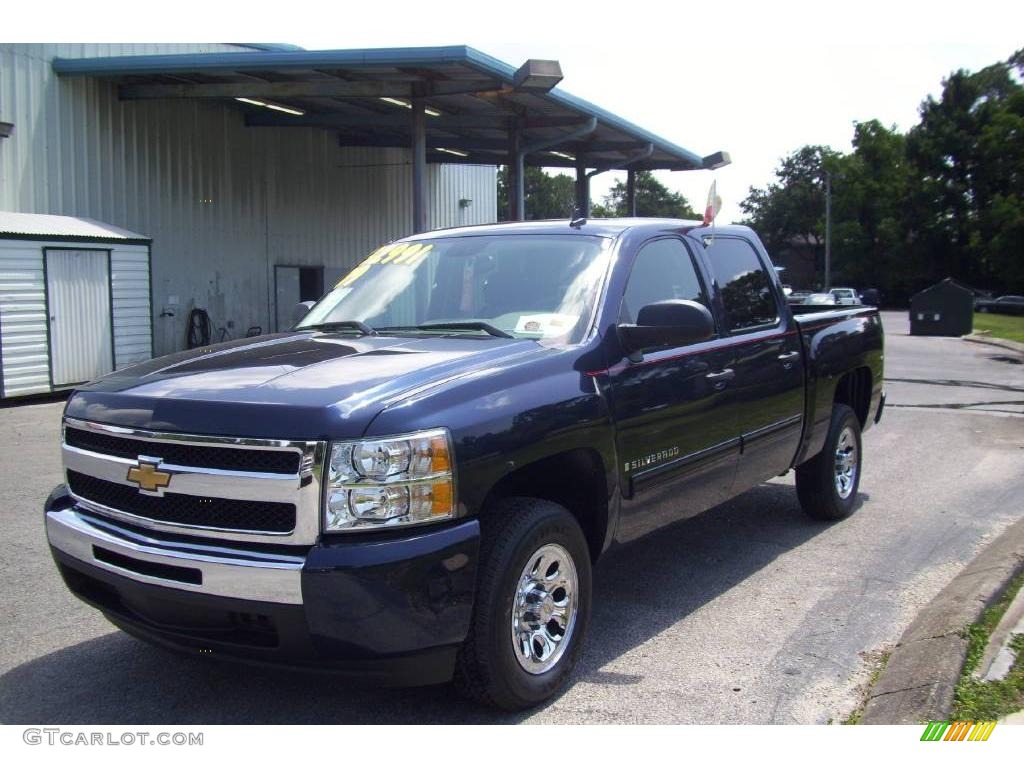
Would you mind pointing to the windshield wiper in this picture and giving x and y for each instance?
(455, 325)
(341, 325)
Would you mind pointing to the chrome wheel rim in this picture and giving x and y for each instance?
(544, 609)
(846, 463)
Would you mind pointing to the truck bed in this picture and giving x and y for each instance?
(838, 341)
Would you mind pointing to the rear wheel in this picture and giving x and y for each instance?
(827, 484)
(532, 605)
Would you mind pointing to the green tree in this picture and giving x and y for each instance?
(791, 210)
(653, 199)
(967, 153)
(869, 187)
(946, 199)
(869, 192)
(546, 196)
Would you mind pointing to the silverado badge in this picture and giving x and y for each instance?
(149, 479)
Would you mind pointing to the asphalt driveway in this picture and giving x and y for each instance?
(749, 613)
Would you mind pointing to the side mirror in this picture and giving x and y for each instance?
(671, 323)
(300, 310)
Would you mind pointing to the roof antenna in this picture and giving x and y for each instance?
(578, 218)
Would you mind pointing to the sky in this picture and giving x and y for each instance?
(757, 80)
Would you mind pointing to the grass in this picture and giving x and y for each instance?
(980, 700)
(878, 661)
(1001, 326)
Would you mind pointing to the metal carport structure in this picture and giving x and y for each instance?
(452, 105)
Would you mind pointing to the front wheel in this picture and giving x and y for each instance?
(827, 484)
(532, 605)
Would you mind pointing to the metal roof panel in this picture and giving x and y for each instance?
(456, 62)
(38, 225)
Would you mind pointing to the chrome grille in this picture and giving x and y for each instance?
(228, 514)
(186, 454)
(217, 487)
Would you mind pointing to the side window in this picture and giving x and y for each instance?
(746, 289)
(663, 270)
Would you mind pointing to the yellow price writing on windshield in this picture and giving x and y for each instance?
(405, 254)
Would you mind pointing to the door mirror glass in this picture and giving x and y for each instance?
(671, 323)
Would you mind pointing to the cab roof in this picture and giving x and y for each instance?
(612, 228)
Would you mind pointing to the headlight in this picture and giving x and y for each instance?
(400, 480)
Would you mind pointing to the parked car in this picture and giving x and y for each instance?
(820, 299)
(1004, 305)
(846, 296)
(797, 297)
(415, 482)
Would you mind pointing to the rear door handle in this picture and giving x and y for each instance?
(719, 379)
(787, 358)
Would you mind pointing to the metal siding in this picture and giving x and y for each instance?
(452, 183)
(78, 299)
(276, 196)
(23, 319)
(129, 279)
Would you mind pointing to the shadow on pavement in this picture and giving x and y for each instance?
(49, 397)
(639, 591)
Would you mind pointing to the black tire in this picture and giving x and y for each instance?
(816, 484)
(487, 669)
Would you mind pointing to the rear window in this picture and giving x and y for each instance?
(744, 283)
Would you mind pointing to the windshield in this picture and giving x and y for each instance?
(527, 286)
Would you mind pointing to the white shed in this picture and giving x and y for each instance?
(75, 301)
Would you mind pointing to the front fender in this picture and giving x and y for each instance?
(504, 419)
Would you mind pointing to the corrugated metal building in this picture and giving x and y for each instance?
(261, 174)
(224, 204)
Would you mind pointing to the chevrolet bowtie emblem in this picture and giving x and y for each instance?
(146, 475)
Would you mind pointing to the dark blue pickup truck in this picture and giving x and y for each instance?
(414, 483)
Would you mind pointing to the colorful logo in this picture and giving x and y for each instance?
(960, 730)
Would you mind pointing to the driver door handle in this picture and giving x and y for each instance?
(787, 358)
(719, 379)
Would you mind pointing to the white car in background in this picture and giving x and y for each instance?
(846, 296)
(820, 299)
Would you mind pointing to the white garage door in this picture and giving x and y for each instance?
(78, 296)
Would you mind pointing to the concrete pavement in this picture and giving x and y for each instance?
(919, 681)
(750, 613)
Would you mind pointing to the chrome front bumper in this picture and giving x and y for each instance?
(386, 609)
(211, 570)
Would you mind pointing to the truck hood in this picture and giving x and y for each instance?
(303, 385)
